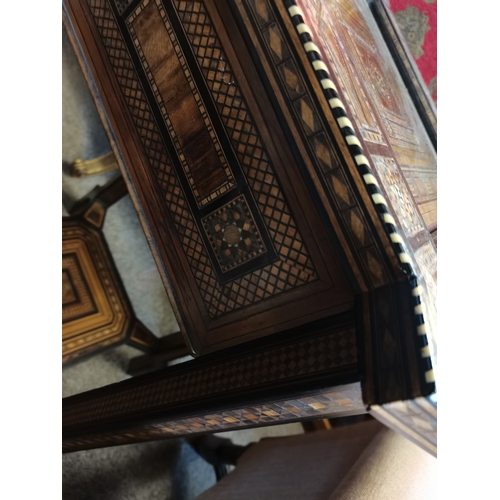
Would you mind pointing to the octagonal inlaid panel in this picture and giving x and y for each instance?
(95, 310)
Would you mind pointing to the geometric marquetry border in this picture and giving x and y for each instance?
(215, 299)
(328, 403)
(201, 200)
(415, 419)
(299, 102)
(109, 321)
(366, 172)
(190, 382)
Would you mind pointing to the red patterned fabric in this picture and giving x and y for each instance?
(417, 20)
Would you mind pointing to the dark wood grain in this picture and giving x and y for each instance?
(175, 94)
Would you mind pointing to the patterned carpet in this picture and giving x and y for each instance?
(417, 20)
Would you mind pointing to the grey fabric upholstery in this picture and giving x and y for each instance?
(362, 461)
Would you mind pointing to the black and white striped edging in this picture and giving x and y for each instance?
(363, 166)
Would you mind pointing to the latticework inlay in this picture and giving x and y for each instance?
(233, 110)
(294, 266)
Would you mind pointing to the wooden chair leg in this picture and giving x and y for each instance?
(328, 423)
(218, 452)
(93, 206)
(167, 349)
(142, 338)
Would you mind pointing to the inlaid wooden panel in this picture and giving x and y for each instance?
(180, 103)
(399, 195)
(400, 166)
(354, 53)
(95, 310)
(249, 174)
(245, 257)
(268, 36)
(328, 352)
(237, 388)
(390, 194)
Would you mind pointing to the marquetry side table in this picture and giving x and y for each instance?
(287, 189)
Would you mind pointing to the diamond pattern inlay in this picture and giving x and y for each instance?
(275, 43)
(294, 267)
(233, 234)
(357, 227)
(307, 114)
(374, 267)
(291, 79)
(323, 153)
(260, 7)
(302, 105)
(340, 189)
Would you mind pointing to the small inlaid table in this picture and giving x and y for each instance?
(287, 187)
